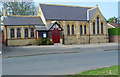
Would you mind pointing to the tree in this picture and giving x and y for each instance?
(20, 8)
(111, 20)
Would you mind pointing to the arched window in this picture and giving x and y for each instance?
(18, 33)
(12, 33)
(85, 29)
(80, 29)
(101, 27)
(26, 32)
(32, 32)
(68, 29)
(72, 29)
(93, 27)
(97, 25)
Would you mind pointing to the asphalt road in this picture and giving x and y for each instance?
(60, 64)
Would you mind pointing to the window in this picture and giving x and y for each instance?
(101, 27)
(32, 32)
(80, 29)
(85, 29)
(18, 33)
(93, 27)
(50, 34)
(12, 33)
(60, 34)
(72, 29)
(97, 25)
(26, 32)
(39, 34)
(68, 29)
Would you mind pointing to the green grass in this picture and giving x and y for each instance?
(113, 70)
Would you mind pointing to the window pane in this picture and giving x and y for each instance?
(72, 29)
(32, 32)
(85, 29)
(101, 28)
(50, 34)
(18, 33)
(26, 32)
(97, 25)
(39, 34)
(12, 32)
(68, 29)
(93, 27)
(80, 29)
(60, 34)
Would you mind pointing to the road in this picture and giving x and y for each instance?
(60, 64)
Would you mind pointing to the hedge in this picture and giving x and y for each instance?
(114, 31)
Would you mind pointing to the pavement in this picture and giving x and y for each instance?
(21, 51)
(61, 64)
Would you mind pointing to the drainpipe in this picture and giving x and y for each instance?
(89, 31)
(6, 35)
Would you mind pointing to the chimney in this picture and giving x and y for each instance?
(97, 5)
(115, 20)
(5, 12)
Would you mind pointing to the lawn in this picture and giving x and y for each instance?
(113, 70)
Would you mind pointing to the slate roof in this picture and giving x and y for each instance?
(15, 20)
(50, 26)
(56, 12)
(40, 28)
(92, 12)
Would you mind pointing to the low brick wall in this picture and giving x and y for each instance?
(114, 38)
(20, 42)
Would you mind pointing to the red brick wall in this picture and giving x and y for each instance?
(114, 38)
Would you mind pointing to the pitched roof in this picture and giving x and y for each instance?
(40, 28)
(113, 25)
(92, 12)
(52, 24)
(57, 12)
(21, 20)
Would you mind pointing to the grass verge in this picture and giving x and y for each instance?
(113, 70)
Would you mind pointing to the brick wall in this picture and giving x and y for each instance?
(114, 38)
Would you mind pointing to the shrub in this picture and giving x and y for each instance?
(43, 41)
(38, 41)
(114, 31)
(49, 42)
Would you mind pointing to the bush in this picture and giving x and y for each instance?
(43, 41)
(114, 31)
(38, 41)
(49, 42)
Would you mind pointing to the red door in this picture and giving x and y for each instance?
(56, 36)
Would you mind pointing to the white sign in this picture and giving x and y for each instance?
(44, 35)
